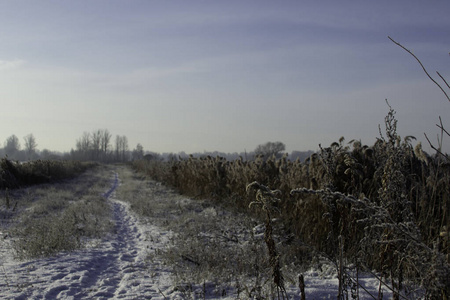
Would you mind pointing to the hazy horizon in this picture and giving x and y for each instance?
(220, 76)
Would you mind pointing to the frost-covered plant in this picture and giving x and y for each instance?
(41, 238)
(266, 199)
(390, 229)
(413, 186)
(60, 217)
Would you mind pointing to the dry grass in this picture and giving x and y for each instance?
(16, 175)
(210, 244)
(409, 188)
(51, 218)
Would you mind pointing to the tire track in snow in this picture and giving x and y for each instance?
(117, 269)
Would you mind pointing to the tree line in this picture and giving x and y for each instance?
(12, 148)
(100, 145)
(97, 145)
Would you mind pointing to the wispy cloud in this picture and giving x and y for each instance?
(11, 64)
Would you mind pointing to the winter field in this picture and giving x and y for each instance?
(146, 242)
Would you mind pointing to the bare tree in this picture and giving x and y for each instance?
(12, 145)
(121, 148)
(105, 142)
(138, 153)
(96, 140)
(83, 145)
(118, 144)
(93, 146)
(30, 145)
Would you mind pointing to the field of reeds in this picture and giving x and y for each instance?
(383, 207)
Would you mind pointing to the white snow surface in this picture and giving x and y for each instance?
(118, 267)
(115, 268)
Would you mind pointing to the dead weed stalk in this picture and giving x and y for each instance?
(266, 199)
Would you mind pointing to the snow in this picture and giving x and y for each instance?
(115, 268)
(124, 265)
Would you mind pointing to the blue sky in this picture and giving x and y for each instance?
(200, 76)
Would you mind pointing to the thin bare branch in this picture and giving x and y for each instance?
(426, 72)
(443, 79)
(442, 126)
(437, 150)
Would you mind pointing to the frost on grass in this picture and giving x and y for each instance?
(165, 246)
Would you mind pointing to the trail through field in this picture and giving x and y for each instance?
(117, 267)
(127, 262)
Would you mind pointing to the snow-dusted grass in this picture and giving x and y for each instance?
(49, 219)
(112, 263)
(382, 207)
(160, 245)
(219, 253)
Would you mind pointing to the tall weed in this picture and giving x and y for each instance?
(408, 190)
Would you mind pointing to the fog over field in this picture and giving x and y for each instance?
(207, 75)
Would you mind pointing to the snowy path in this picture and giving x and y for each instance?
(117, 268)
(127, 263)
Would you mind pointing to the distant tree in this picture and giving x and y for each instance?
(84, 143)
(49, 155)
(93, 146)
(45, 154)
(153, 156)
(171, 157)
(12, 146)
(270, 148)
(30, 146)
(105, 142)
(96, 143)
(83, 147)
(138, 153)
(121, 148)
(301, 155)
(182, 155)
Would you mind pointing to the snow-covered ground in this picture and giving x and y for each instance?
(124, 265)
(113, 268)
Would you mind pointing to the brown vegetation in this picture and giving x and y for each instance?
(383, 207)
(14, 174)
